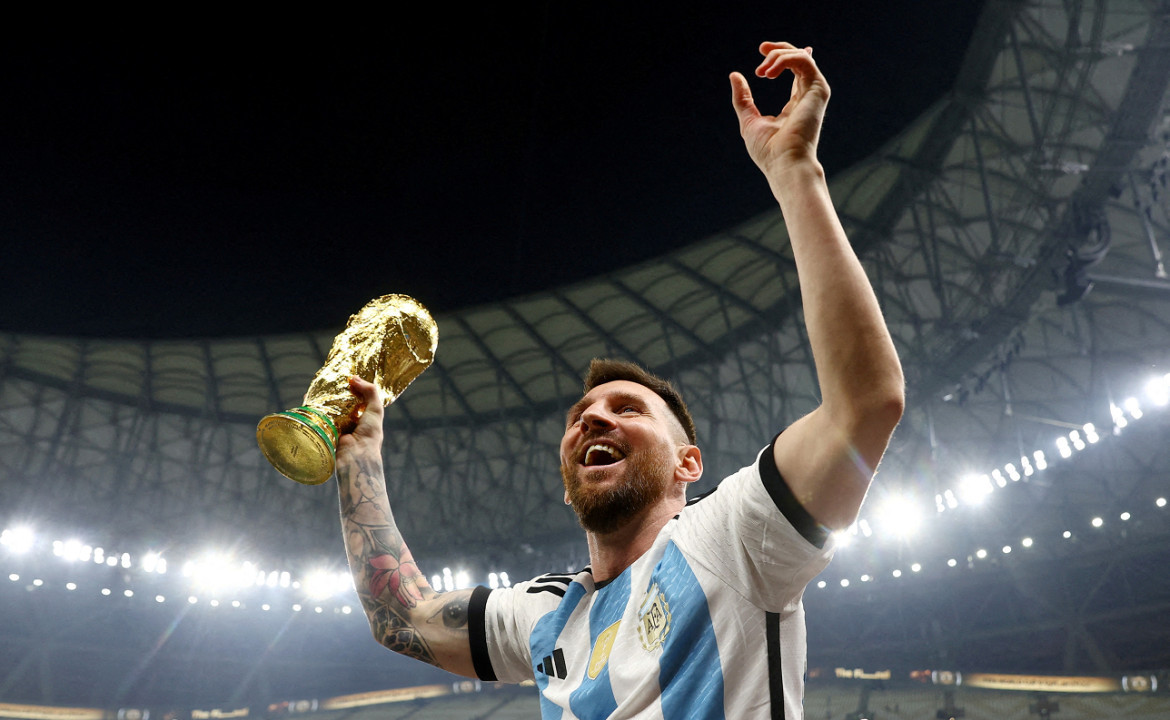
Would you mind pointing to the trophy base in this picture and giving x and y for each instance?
(300, 444)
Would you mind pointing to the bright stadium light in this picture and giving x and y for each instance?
(1062, 446)
(975, 488)
(1041, 460)
(899, 516)
(18, 540)
(320, 584)
(1158, 390)
(1091, 432)
(1133, 408)
(1118, 416)
(1027, 465)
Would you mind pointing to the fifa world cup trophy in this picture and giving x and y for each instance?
(389, 342)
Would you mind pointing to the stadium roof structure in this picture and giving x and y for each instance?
(1015, 235)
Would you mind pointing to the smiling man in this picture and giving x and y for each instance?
(687, 610)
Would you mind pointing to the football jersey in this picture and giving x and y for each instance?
(708, 623)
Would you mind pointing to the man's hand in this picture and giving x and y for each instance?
(367, 434)
(776, 141)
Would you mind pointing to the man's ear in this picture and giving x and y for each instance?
(690, 465)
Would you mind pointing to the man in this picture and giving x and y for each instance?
(685, 610)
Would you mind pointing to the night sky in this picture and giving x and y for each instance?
(205, 181)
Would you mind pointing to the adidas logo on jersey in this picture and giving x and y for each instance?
(554, 665)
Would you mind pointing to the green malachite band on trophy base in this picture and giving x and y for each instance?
(299, 417)
(323, 416)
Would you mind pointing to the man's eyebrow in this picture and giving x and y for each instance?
(619, 397)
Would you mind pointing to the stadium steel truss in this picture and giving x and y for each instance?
(1015, 235)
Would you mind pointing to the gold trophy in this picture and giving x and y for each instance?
(389, 342)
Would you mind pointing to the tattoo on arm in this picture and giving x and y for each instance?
(389, 582)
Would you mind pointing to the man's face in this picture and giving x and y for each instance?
(618, 454)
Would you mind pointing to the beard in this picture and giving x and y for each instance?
(602, 510)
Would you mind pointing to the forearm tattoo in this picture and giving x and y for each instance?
(388, 580)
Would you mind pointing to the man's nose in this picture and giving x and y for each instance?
(597, 417)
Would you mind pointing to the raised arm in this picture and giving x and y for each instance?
(405, 613)
(827, 457)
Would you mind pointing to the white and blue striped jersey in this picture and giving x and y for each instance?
(706, 624)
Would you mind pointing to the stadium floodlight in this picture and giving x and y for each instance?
(1067, 534)
(1124, 516)
(1000, 480)
(1160, 502)
(504, 580)
(1027, 465)
(844, 582)
(18, 540)
(975, 488)
(1118, 416)
(462, 580)
(1012, 472)
(1091, 432)
(916, 567)
(952, 501)
(1133, 408)
(899, 516)
(841, 538)
(897, 573)
(1077, 442)
(493, 581)
(1158, 390)
(981, 553)
(1041, 460)
(1097, 522)
(1026, 542)
(320, 584)
(1062, 446)
(952, 562)
(70, 586)
(346, 609)
(160, 598)
(821, 584)
(1007, 549)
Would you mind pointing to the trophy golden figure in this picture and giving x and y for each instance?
(389, 342)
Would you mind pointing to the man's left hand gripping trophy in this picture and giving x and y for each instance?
(389, 342)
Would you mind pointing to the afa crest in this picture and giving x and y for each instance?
(653, 619)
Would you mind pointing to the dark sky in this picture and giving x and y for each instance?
(210, 182)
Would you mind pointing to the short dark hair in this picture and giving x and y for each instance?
(603, 370)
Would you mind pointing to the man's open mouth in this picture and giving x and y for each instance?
(601, 454)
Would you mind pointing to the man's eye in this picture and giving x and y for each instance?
(629, 409)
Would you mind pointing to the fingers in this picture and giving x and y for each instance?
(369, 398)
(741, 99)
(779, 57)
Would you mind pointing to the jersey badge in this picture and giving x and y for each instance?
(600, 655)
(653, 619)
